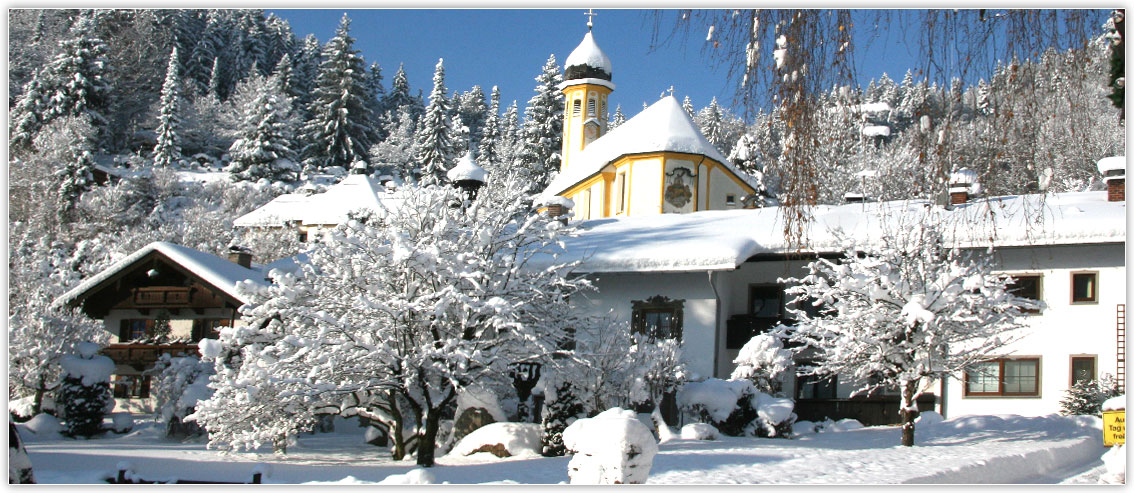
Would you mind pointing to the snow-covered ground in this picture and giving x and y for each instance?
(967, 449)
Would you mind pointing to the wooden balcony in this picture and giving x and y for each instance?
(143, 355)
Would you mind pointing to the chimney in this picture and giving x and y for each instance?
(558, 207)
(962, 185)
(240, 256)
(1113, 170)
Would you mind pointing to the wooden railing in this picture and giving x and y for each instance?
(147, 354)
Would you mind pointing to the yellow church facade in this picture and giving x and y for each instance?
(657, 162)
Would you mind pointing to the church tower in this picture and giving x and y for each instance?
(586, 85)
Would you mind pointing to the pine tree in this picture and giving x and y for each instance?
(167, 151)
(340, 130)
(510, 133)
(687, 105)
(473, 112)
(543, 129)
(434, 150)
(619, 118)
(263, 149)
(377, 95)
(399, 96)
(488, 149)
(712, 124)
(1086, 397)
(75, 176)
(73, 84)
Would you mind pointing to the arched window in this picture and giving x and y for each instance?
(576, 108)
(591, 107)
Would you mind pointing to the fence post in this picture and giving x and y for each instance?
(256, 478)
(121, 476)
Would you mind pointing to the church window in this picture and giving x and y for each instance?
(657, 317)
(576, 107)
(591, 107)
(620, 193)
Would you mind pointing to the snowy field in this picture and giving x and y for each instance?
(967, 449)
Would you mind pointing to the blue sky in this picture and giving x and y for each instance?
(507, 48)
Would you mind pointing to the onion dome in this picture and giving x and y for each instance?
(587, 61)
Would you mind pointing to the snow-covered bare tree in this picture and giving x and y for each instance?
(903, 313)
(434, 149)
(403, 309)
(167, 151)
(341, 128)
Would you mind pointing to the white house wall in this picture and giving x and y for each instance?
(721, 186)
(1062, 330)
(180, 325)
(617, 291)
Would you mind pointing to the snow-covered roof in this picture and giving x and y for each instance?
(588, 53)
(467, 169)
(354, 192)
(963, 176)
(874, 107)
(586, 80)
(218, 272)
(723, 240)
(1113, 163)
(664, 126)
(876, 131)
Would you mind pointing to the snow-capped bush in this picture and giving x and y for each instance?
(929, 418)
(846, 424)
(179, 384)
(764, 361)
(413, 476)
(562, 407)
(736, 408)
(502, 440)
(85, 391)
(611, 448)
(699, 431)
(44, 424)
(1115, 462)
(1086, 397)
(123, 422)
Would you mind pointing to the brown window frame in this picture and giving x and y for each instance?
(1094, 298)
(640, 309)
(1000, 379)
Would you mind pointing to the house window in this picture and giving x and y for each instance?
(576, 107)
(1084, 287)
(131, 386)
(658, 317)
(1082, 369)
(1027, 286)
(134, 329)
(765, 310)
(815, 387)
(1004, 377)
(620, 198)
(209, 328)
(730, 200)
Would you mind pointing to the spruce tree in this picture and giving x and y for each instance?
(167, 151)
(340, 130)
(687, 105)
(510, 133)
(543, 128)
(488, 148)
(85, 391)
(619, 118)
(263, 149)
(434, 150)
(76, 176)
(399, 96)
(473, 112)
(712, 124)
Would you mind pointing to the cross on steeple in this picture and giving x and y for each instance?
(671, 90)
(590, 13)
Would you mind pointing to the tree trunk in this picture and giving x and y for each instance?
(396, 429)
(37, 402)
(908, 412)
(427, 441)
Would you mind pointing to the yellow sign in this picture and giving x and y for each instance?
(1113, 428)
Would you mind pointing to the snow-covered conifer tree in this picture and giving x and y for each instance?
(399, 96)
(394, 154)
(510, 133)
(687, 105)
(619, 118)
(84, 393)
(434, 150)
(341, 128)
(712, 124)
(488, 148)
(75, 177)
(391, 316)
(167, 151)
(562, 408)
(263, 149)
(473, 111)
(542, 138)
(904, 313)
(377, 94)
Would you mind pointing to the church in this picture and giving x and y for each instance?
(657, 162)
